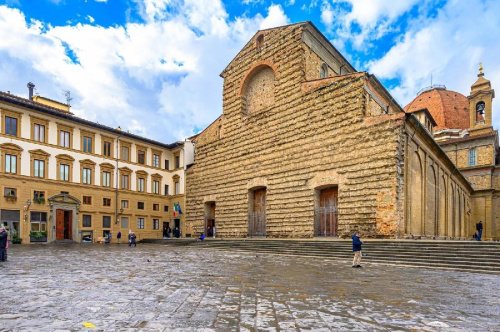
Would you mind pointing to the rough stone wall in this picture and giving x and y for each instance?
(304, 141)
(259, 91)
(313, 64)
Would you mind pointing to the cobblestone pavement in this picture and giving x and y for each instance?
(116, 288)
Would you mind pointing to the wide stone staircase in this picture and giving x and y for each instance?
(472, 256)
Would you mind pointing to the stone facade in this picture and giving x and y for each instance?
(319, 141)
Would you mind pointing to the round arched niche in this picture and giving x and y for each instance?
(258, 89)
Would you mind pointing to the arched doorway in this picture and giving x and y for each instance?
(326, 212)
(257, 213)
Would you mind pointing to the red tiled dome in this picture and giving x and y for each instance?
(449, 109)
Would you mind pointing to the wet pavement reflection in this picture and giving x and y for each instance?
(163, 288)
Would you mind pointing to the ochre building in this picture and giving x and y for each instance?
(66, 178)
(464, 130)
(307, 146)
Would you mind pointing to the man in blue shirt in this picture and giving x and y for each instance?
(356, 248)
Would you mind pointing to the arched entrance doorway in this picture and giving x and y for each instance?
(326, 212)
(257, 213)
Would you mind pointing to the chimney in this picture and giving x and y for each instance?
(31, 86)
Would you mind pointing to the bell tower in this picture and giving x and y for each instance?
(480, 105)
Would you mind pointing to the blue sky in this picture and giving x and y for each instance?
(152, 66)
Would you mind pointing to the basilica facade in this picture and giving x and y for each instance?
(306, 146)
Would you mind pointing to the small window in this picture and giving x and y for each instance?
(87, 200)
(87, 220)
(10, 192)
(141, 157)
(125, 153)
(177, 188)
(38, 223)
(125, 181)
(156, 187)
(167, 166)
(140, 205)
(10, 163)
(10, 126)
(140, 184)
(64, 138)
(106, 179)
(64, 172)
(124, 204)
(39, 132)
(107, 149)
(156, 224)
(177, 161)
(39, 197)
(156, 207)
(106, 201)
(124, 222)
(156, 160)
(323, 71)
(472, 157)
(165, 191)
(39, 168)
(87, 144)
(140, 223)
(106, 221)
(165, 208)
(87, 176)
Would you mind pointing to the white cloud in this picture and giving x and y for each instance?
(159, 79)
(450, 47)
(326, 13)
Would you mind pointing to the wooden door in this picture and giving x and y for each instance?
(258, 214)
(59, 224)
(326, 214)
(210, 219)
(68, 221)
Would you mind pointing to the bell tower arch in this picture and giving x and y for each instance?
(480, 105)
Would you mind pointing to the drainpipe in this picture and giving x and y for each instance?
(116, 175)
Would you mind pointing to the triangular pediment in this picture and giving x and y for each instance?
(64, 198)
(39, 152)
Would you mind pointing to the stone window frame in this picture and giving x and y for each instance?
(41, 122)
(64, 159)
(10, 149)
(156, 178)
(36, 198)
(65, 128)
(15, 115)
(108, 218)
(141, 222)
(156, 206)
(128, 145)
(176, 180)
(157, 153)
(125, 171)
(144, 176)
(177, 160)
(39, 154)
(88, 134)
(143, 205)
(87, 164)
(109, 140)
(107, 167)
(124, 206)
(139, 149)
(156, 223)
(83, 220)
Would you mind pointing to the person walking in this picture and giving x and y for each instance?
(4, 243)
(119, 236)
(131, 239)
(479, 230)
(356, 248)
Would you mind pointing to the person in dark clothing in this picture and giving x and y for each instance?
(356, 248)
(177, 232)
(132, 239)
(169, 232)
(479, 230)
(119, 236)
(3, 244)
(202, 236)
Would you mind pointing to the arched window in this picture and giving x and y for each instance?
(480, 106)
(259, 42)
(258, 90)
(323, 71)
